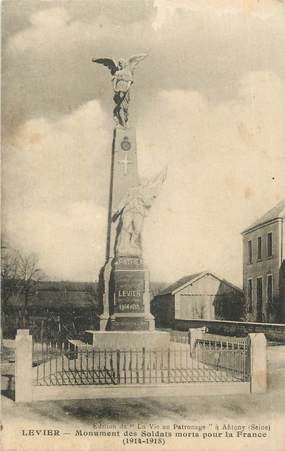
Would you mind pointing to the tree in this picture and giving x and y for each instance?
(20, 274)
(29, 275)
(9, 274)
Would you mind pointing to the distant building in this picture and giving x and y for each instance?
(198, 296)
(263, 266)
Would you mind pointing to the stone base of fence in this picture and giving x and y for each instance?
(123, 339)
(139, 391)
(274, 332)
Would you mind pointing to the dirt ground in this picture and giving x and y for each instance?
(263, 414)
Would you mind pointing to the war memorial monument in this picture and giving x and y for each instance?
(124, 351)
(125, 318)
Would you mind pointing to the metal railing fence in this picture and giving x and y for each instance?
(69, 364)
(224, 353)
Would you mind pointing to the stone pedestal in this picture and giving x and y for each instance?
(130, 295)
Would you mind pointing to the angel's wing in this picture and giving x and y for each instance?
(108, 62)
(152, 186)
(135, 60)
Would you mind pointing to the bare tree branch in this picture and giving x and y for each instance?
(20, 274)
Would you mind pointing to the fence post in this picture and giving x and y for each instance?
(258, 364)
(195, 334)
(23, 366)
(143, 364)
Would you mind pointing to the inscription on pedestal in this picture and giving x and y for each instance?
(129, 288)
(129, 263)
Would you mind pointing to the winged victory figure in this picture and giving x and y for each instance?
(131, 213)
(122, 77)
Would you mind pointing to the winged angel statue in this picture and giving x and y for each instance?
(131, 212)
(122, 73)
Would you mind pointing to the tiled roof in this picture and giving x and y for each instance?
(276, 212)
(191, 278)
(180, 283)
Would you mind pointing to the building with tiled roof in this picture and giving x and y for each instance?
(202, 295)
(263, 266)
(276, 213)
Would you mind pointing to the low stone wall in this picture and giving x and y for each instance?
(273, 332)
(137, 391)
(125, 339)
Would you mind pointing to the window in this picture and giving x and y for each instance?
(249, 249)
(259, 252)
(259, 299)
(269, 289)
(249, 294)
(269, 244)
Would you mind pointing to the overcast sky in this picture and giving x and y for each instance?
(209, 101)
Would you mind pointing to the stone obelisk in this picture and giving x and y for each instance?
(124, 279)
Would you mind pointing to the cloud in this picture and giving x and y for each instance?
(47, 29)
(54, 161)
(166, 9)
(202, 109)
(47, 67)
(226, 167)
(51, 30)
(57, 29)
(56, 188)
(69, 243)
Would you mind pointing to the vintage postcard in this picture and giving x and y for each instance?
(143, 225)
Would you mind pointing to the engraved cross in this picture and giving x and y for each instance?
(125, 162)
